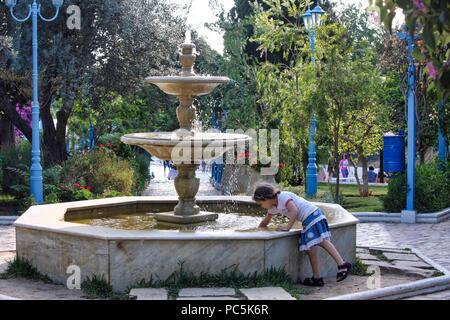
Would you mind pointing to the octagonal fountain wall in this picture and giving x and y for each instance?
(50, 238)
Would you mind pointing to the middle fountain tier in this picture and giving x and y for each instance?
(186, 147)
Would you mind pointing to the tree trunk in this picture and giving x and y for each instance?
(356, 173)
(336, 168)
(7, 137)
(11, 114)
(364, 192)
(54, 146)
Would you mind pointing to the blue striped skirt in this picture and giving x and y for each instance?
(315, 230)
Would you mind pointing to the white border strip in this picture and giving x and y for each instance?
(432, 217)
(400, 291)
(3, 297)
(7, 220)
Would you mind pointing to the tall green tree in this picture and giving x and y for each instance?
(119, 43)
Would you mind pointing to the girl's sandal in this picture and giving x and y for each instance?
(313, 282)
(344, 271)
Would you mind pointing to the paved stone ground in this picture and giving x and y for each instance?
(161, 186)
(7, 238)
(433, 240)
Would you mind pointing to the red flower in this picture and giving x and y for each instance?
(89, 188)
(280, 165)
(77, 185)
(101, 145)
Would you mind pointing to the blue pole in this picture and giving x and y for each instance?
(91, 136)
(36, 168)
(409, 214)
(311, 171)
(36, 185)
(442, 148)
(411, 166)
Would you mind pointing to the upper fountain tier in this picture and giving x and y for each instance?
(187, 84)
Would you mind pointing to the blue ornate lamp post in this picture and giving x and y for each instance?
(36, 168)
(409, 214)
(312, 19)
(442, 146)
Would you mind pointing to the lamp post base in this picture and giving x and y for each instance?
(408, 216)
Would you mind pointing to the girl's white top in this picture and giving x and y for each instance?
(305, 208)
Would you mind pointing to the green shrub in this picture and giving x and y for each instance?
(432, 190)
(22, 267)
(110, 194)
(101, 169)
(140, 164)
(83, 194)
(97, 287)
(17, 157)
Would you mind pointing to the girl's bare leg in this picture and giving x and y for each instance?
(332, 251)
(312, 254)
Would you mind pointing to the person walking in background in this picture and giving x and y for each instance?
(372, 175)
(330, 169)
(165, 162)
(343, 166)
(203, 165)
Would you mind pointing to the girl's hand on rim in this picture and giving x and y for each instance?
(282, 228)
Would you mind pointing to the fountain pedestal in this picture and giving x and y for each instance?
(186, 212)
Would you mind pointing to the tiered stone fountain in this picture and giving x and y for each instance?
(198, 145)
(60, 239)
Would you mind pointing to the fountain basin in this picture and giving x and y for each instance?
(186, 147)
(187, 85)
(124, 257)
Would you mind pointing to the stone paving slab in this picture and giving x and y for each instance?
(149, 293)
(412, 264)
(384, 265)
(266, 293)
(401, 256)
(366, 256)
(205, 292)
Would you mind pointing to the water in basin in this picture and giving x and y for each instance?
(226, 222)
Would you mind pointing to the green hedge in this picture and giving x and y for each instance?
(432, 190)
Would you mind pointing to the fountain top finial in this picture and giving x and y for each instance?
(188, 55)
(187, 37)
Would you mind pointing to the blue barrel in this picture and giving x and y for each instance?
(394, 153)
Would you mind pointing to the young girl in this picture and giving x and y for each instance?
(315, 227)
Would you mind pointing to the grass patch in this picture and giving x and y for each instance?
(228, 277)
(97, 287)
(438, 274)
(359, 268)
(352, 201)
(23, 268)
(7, 198)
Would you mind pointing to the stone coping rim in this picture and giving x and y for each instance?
(35, 219)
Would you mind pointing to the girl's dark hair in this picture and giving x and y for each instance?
(265, 191)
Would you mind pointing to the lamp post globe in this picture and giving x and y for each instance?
(10, 3)
(307, 19)
(58, 3)
(316, 15)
